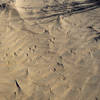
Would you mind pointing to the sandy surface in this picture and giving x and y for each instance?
(49, 50)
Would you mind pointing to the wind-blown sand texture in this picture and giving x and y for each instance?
(50, 50)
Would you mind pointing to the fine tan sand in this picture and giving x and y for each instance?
(49, 49)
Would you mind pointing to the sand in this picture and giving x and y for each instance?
(49, 50)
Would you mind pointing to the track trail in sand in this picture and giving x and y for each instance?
(56, 58)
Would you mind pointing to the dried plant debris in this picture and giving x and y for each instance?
(58, 9)
(97, 38)
(94, 31)
(18, 86)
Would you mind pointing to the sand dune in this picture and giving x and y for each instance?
(49, 50)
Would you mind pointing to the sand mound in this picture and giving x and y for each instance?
(49, 50)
